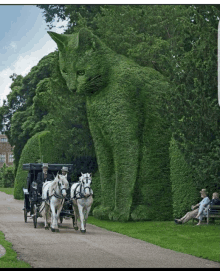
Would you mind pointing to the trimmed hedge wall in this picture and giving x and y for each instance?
(38, 146)
(30, 154)
(184, 190)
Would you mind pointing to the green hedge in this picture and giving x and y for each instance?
(96, 187)
(38, 147)
(48, 148)
(7, 176)
(30, 154)
(184, 190)
(122, 102)
(154, 199)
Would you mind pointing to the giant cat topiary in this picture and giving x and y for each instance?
(121, 102)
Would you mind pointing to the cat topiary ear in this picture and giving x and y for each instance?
(86, 39)
(60, 39)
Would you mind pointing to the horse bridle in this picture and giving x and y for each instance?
(84, 187)
(58, 196)
(80, 193)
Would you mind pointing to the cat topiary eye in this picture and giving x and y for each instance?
(81, 72)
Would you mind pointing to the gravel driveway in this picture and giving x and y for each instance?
(96, 248)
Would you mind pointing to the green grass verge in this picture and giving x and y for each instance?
(9, 191)
(9, 260)
(200, 241)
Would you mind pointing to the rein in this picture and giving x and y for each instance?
(55, 195)
(58, 196)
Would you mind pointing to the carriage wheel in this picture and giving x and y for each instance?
(35, 215)
(25, 215)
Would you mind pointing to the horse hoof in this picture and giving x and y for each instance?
(52, 229)
(83, 231)
(46, 228)
(76, 228)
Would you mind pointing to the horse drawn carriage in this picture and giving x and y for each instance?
(33, 202)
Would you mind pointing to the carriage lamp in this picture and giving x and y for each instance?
(34, 185)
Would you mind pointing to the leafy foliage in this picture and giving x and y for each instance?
(184, 190)
(7, 176)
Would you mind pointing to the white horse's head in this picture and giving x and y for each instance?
(63, 183)
(86, 180)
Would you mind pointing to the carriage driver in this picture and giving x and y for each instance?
(65, 171)
(43, 177)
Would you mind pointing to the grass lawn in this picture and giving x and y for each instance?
(201, 241)
(9, 191)
(9, 260)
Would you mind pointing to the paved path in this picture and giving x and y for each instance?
(70, 248)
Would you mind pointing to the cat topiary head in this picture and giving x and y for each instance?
(81, 60)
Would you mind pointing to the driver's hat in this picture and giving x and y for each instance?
(45, 165)
(65, 169)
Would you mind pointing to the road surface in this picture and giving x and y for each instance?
(96, 248)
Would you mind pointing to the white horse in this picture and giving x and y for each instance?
(81, 194)
(53, 194)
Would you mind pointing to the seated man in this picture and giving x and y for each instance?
(43, 177)
(197, 213)
(215, 201)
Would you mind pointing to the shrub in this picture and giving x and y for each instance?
(30, 154)
(184, 190)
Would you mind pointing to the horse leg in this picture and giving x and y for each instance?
(52, 207)
(86, 215)
(81, 215)
(76, 215)
(57, 215)
(49, 217)
(47, 210)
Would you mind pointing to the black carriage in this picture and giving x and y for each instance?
(33, 201)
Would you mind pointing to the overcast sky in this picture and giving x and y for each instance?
(24, 41)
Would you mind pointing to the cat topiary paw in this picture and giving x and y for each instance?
(101, 212)
(121, 216)
(141, 213)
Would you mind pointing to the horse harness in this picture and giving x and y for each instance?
(79, 194)
(55, 195)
